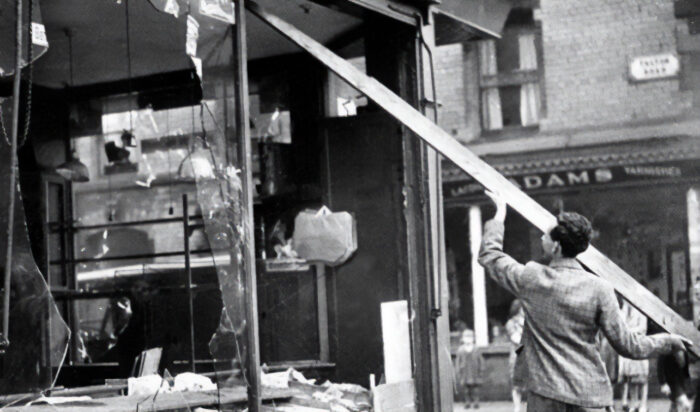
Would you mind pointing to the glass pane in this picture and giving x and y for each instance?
(288, 317)
(342, 100)
(216, 169)
(269, 109)
(508, 53)
(510, 105)
(38, 336)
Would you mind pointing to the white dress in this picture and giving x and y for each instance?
(633, 371)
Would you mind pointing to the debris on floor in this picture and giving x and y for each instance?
(335, 397)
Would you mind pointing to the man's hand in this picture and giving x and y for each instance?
(682, 404)
(679, 343)
(665, 389)
(501, 206)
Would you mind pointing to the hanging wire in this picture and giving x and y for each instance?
(69, 34)
(128, 63)
(7, 281)
(30, 81)
(171, 209)
(30, 75)
(110, 205)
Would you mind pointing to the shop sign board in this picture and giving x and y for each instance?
(634, 173)
(658, 66)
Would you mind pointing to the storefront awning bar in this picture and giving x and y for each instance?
(456, 20)
(449, 147)
(664, 149)
(387, 8)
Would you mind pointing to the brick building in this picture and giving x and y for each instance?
(592, 107)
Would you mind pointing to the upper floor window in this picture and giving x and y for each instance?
(510, 74)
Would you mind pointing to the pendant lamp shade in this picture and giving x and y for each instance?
(74, 170)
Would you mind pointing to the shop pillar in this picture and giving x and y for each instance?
(394, 55)
(441, 296)
(481, 328)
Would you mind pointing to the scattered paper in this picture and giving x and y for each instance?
(192, 382)
(278, 380)
(147, 385)
(299, 377)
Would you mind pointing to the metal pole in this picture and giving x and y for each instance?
(188, 270)
(252, 368)
(13, 176)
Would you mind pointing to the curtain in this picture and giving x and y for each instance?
(528, 52)
(491, 109)
(529, 104)
(529, 92)
(487, 58)
(491, 97)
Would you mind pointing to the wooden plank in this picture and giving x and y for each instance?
(482, 172)
(252, 361)
(397, 342)
(163, 402)
(693, 211)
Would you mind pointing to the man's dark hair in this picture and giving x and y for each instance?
(573, 232)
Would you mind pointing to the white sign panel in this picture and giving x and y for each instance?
(658, 66)
(39, 35)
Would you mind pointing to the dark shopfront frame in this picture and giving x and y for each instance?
(401, 51)
(418, 217)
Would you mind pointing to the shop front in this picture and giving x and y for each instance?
(640, 197)
(172, 147)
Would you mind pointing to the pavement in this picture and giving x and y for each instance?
(654, 405)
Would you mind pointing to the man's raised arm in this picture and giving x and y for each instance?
(502, 268)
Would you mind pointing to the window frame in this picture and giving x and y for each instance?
(515, 78)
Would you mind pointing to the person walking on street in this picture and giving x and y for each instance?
(565, 307)
(470, 369)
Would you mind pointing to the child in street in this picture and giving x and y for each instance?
(634, 374)
(470, 369)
